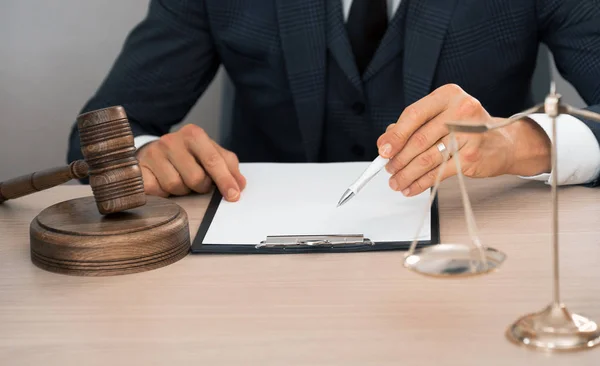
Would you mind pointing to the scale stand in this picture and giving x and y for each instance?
(553, 328)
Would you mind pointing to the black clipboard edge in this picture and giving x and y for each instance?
(199, 248)
(207, 220)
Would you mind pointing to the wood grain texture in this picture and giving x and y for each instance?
(108, 147)
(73, 238)
(307, 309)
(39, 181)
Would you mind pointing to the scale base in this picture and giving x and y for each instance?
(554, 329)
(453, 260)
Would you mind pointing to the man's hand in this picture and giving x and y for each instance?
(188, 160)
(411, 143)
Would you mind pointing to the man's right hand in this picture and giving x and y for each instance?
(189, 160)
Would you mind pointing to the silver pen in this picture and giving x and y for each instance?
(374, 168)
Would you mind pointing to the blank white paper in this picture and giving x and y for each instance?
(301, 199)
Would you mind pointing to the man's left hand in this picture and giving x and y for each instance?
(412, 143)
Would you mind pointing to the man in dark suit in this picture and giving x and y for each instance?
(322, 80)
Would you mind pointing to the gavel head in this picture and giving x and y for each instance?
(108, 149)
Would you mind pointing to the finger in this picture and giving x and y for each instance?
(214, 164)
(414, 116)
(419, 166)
(168, 178)
(207, 185)
(151, 186)
(192, 174)
(428, 180)
(422, 140)
(234, 166)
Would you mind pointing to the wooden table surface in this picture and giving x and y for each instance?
(304, 309)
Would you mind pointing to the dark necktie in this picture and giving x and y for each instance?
(366, 25)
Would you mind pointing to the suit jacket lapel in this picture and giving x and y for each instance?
(339, 43)
(391, 44)
(302, 32)
(426, 25)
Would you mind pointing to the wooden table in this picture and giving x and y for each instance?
(322, 309)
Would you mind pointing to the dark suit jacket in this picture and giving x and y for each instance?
(275, 53)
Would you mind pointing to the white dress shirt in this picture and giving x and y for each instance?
(578, 151)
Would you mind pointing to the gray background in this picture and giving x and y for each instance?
(53, 56)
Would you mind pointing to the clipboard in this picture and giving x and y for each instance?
(317, 243)
(292, 208)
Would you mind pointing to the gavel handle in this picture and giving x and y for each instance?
(44, 179)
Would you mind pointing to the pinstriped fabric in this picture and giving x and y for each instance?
(302, 30)
(344, 128)
(426, 26)
(357, 108)
(275, 52)
(573, 34)
(391, 44)
(339, 43)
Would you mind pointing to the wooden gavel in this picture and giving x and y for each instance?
(109, 162)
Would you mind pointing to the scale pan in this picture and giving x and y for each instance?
(453, 260)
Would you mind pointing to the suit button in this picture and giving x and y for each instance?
(358, 150)
(358, 108)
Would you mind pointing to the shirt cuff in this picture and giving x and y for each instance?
(577, 150)
(142, 140)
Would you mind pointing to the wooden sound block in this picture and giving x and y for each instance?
(73, 238)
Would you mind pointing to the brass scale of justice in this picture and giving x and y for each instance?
(74, 238)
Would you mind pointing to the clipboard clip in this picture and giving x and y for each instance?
(286, 241)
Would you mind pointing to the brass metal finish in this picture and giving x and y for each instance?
(459, 259)
(554, 328)
(453, 260)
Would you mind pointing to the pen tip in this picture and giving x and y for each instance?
(346, 197)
